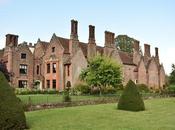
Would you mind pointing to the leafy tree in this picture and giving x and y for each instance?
(102, 72)
(131, 99)
(12, 115)
(172, 75)
(125, 43)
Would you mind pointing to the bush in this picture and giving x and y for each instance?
(131, 99)
(82, 88)
(12, 115)
(171, 89)
(95, 91)
(143, 88)
(109, 90)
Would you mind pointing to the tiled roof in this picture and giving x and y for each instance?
(44, 44)
(100, 49)
(84, 47)
(65, 43)
(126, 58)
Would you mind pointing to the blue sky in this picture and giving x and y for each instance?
(149, 21)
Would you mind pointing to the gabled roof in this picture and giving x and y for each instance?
(44, 44)
(149, 62)
(126, 58)
(83, 46)
(65, 43)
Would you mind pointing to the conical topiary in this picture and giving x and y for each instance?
(12, 115)
(131, 99)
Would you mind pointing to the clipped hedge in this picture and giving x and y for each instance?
(26, 91)
(131, 99)
(12, 115)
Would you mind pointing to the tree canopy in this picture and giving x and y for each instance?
(125, 43)
(172, 75)
(101, 72)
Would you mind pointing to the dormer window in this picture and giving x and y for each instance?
(23, 56)
(53, 49)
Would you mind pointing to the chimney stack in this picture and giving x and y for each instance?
(11, 39)
(136, 45)
(91, 51)
(109, 39)
(147, 50)
(74, 29)
(91, 34)
(156, 52)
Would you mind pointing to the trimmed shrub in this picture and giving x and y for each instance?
(66, 93)
(12, 115)
(131, 99)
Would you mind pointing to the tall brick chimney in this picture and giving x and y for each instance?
(147, 50)
(109, 39)
(73, 42)
(156, 52)
(74, 29)
(136, 45)
(11, 40)
(91, 44)
(157, 55)
(91, 34)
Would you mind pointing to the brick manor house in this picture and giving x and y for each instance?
(51, 64)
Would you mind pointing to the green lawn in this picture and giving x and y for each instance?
(159, 115)
(53, 98)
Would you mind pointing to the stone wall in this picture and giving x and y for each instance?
(142, 74)
(153, 75)
(78, 63)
